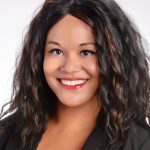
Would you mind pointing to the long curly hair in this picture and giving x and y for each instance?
(124, 71)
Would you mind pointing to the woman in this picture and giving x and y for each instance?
(82, 82)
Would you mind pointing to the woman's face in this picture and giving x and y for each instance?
(70, 62)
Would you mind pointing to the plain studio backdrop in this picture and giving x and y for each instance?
(14, 19)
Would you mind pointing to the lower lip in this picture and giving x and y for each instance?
(73, 87)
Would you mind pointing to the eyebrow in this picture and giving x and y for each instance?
(82, 44)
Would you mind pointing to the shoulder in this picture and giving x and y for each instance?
(7, 129)
(138, 137)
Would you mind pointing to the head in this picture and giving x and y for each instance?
(121, 78)
(70, 63)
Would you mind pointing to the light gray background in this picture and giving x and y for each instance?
(14, 19)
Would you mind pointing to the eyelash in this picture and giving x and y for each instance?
(83, 52)
(55, 50)
(88, 51)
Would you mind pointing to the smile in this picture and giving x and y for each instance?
(72, 84)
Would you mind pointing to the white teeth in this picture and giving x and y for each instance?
(73, 82)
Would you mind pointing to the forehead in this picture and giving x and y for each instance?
(70, 29)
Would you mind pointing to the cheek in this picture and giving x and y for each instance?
(50, 65)
(93, 68)
(94, 71)
(47, 67)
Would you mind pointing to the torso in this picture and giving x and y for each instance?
(138, 137)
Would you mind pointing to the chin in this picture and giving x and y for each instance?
(71, 104)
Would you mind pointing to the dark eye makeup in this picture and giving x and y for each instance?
(57, 51)
(87, 52)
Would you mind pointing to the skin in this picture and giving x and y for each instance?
(65, 58)
(69, 61)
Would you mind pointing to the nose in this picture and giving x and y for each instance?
(70, 65)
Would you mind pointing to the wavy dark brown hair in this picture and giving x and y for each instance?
(124, 70)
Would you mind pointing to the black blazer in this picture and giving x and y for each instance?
(138, 138)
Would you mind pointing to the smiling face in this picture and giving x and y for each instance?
(70, 62)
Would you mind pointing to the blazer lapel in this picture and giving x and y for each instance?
(97, 140)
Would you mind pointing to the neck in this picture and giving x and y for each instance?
(77, 118)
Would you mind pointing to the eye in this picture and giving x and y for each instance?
(56, 51)
(87, 52)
